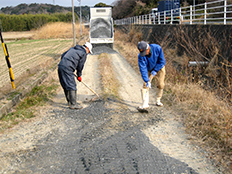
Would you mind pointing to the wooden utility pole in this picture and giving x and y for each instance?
(80, 17)
(73, 16)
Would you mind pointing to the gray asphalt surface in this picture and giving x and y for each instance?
(90, 143)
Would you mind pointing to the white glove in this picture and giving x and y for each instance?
(148, 84)
(153, 73)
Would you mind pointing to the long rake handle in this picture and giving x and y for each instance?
(90, 88)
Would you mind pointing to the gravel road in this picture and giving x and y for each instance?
(105, 136)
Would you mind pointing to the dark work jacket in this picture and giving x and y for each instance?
(74, 59)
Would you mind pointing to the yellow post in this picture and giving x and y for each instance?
(8, 61)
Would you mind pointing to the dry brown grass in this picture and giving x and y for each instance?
(59, 30)
(127, 48)
(109, 81)
(208, 119)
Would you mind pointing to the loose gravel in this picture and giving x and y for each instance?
(100, 28)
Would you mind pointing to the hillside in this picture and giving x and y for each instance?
(42, 8)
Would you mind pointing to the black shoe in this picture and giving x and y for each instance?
(72, 97)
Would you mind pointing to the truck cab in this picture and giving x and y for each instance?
(154, 15)
(169, 9)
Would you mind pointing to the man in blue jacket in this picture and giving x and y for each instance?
(71, 61)
(151, 64)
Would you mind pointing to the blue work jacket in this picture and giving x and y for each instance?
(154, 63)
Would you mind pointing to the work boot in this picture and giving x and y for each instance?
(72, 97)
(159, 93)
(66, 92)
(145, 100)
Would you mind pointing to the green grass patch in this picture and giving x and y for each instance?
(25, 109)
(12, 95)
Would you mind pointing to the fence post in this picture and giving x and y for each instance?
(159, 17)
(225, 5)
(164, 17)
(191, 14)
(171, 16)
(205, 15)
(180, 16)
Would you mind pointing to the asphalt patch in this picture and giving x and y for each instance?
(91, 142)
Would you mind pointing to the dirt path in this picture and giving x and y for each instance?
(168, 135)
(104, 137)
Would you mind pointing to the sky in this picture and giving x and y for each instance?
(66, 3)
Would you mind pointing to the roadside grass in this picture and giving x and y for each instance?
(12, 95)
(25, 109)
(110, 83)
(207, 117)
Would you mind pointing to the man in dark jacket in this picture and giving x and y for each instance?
(71, 61)
(151, 64)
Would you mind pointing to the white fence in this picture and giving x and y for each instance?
(216, 12)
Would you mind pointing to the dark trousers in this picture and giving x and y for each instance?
(67, 78)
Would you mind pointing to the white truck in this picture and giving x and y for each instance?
(101, 31)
